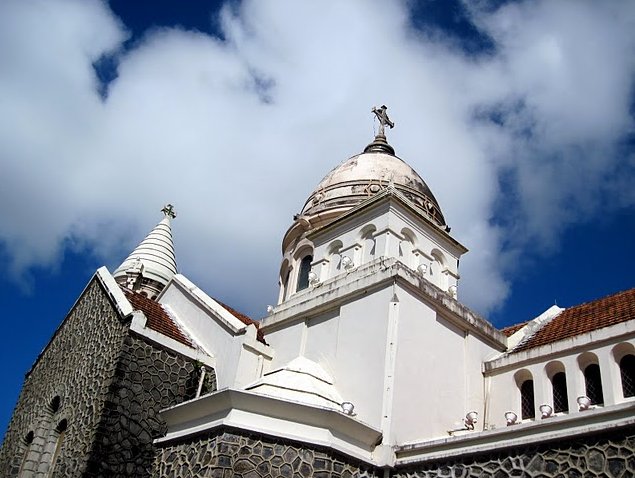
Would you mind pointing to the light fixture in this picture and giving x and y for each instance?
(584, 402)
(511, 418)
(347, 408)
(423, 268)
(545, 410)
(347, 262)
(470, 419)
(313, 278)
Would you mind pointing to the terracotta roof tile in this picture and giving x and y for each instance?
(512, 329)
(245, 320)
(584, 318)
(158, 318)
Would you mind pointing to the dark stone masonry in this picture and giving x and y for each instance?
(611, 454)
(236, 454)
(77, 366)
(110, 386)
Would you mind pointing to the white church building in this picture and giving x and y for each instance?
(369, 355)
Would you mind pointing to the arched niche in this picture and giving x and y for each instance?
(367, 239)
(407, 246)
(334, 257)
(437, 267)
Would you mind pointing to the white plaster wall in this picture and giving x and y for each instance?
(505, 394)
(349, 344)
(321, 340)
(430, 390)
(286, 341)
(215, 338)
(360, 354)
(391, 222)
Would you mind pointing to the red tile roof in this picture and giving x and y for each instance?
(158, 318)
(512, 329)
(583, 318)
(245, 320)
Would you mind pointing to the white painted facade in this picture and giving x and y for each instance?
(377, 327)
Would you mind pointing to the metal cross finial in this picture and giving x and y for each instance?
(382, 116)
(169, 211)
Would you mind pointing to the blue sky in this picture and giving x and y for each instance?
(519, 115)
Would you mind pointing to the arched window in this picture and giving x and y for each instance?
(560, 396)
(627, 371)
(593, 382)
(303, 273)
(61, 433)
(28, 439)
(527, 406)
(55, 404)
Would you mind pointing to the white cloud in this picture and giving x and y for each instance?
(238, 133)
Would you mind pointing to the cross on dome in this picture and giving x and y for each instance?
(383, 119)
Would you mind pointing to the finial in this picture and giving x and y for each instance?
(384, 121)
(169, 211)
(380, 145)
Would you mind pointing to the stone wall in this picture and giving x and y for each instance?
(111, 386)
(237, 454)
(230, 453)
(77, 366)
(148, 379)
(607, 455)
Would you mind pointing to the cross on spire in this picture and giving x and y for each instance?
(169, 211)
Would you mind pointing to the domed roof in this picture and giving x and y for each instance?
(365, 175)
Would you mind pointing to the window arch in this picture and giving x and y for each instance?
(60, 430)
(28, 440)
(593, 384)
(560, 395)
(627, 373)
(335, 258)
(303, 272)
(558, 378)
(406, 246)
(367, 238)
(525, 383)
(55, 404)
(527, 404)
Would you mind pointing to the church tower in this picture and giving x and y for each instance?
(370, 206)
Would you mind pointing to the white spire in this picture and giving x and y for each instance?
(153, 263)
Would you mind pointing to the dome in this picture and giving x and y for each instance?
(366, 174)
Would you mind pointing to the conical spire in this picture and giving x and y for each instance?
(153, 263)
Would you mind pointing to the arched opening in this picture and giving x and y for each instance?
(560, 395)
(55, 404)
(525, 383)
(335, 258)
(406, 247)
(60, 430)
(527, 404)
(367, 238)
(627, 373)
(303, 273)
(28, 440)
(593, 384)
